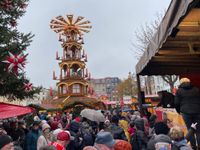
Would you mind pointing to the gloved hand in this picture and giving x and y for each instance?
(194, 126)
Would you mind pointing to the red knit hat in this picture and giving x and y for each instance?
(122, 145)
(77, 119)
(63, 136)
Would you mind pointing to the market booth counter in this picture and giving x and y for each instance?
(175, 48)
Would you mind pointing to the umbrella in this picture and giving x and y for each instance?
(93, 115)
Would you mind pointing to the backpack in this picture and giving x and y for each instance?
(88, 139)
(139, 140)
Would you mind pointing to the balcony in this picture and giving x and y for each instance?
(71, 77)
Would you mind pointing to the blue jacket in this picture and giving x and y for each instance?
(31, 140)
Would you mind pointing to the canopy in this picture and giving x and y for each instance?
(70, 102)
(107, 102)
(175, 48)
(11, 110)
(85, 101)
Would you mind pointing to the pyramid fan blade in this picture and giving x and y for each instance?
(57, 25)
(59, 22)
(63, 20)
(83, 23)
(70, 19)
(86, 27)
(78, 19)
(83, 30)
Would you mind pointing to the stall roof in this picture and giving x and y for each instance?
(11, 110)
(175, 48)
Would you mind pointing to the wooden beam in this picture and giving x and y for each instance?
(169, 70)
(178, 51)
(181, 42)
(188, 33)
(177, 57)
(189, 24)
(177, 64)
(184, 38)
(182, 59)
(190, 45)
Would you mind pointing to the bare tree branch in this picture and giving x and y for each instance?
(143, 38)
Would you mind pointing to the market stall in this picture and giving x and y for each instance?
(175, 48)
(11, 110)
(171, 116)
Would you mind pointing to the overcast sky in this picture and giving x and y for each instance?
(108, 45)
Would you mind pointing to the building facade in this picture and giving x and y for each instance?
(105, 86)
(37, 99)
(153, 84)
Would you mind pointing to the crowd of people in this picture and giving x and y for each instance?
(119, 131)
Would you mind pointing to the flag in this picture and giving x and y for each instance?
(51, 92)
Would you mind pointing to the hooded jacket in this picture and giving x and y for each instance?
(187, 99)
(181, 145)
(117, 132)
(139, 139)
(31, 140)
(156, 139)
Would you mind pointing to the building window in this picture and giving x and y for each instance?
(64, 89)
(76, 88)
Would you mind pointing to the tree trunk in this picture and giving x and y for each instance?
(170, 80)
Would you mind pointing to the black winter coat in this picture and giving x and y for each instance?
(187, 99)
(117, 132)
(167, 100)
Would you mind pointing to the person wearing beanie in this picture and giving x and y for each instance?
(78, 119)
(75, 144)
(55, 124)
(163, 142)
(103, 141)
(6, 142)
(116, 130)
(139, 139)
(32, 136)
(122, 145)
(36, 118)
(187, 102)
(46, 137)
(63, 139)
(152, 122)
(104, 138)
(178, 139)
(131, 129)
(55, 133)
(160, 128)
(74, 126)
